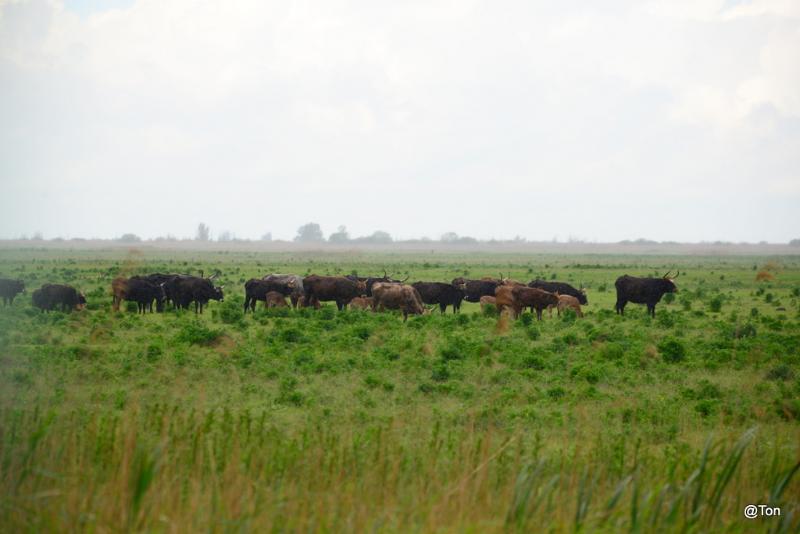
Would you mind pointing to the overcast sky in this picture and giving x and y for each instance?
(674, 120)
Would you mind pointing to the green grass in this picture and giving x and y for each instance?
(319, 420)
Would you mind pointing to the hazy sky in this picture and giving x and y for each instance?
(674, 120)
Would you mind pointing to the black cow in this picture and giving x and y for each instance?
(642, 291)
(440, 293)
(54, 296)
(143, 292)
(337, 288)
(256, 289)
(562, 288)
(10, 289)
(475, 289)
(183, 290)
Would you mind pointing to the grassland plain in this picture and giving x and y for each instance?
(316, 420)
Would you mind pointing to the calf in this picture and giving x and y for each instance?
(566, 302)
(274, 299)
(361, 303)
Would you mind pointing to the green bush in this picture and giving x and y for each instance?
(715, 304)
(196, 333)
(780, 372)
(672, 350)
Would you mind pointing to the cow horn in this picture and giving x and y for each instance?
(676, 274)
(404, 279)
(667, 273)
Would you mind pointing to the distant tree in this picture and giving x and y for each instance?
(267, 237)
(225, 236)
(203, 232)
(465, 239)
(340, 235)
(449, 237)
(309, 233)
(37, 236)
(129, 238)
(794, 243)
(379, 237)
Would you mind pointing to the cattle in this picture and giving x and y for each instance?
(58, 296)
(475, 289)
(504, 299)
(183, 290)
(562, 288)
(332, 288)
(372, 280)
(643, 291)
(139, 290)
(361, 303)
(292, 285)
(566, 302)
(440, 293)
(391, 296)
(256, 289)
(537, 299)
(487, 301)
(10, 289)
(275, 299)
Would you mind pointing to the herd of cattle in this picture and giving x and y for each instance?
(375, 293)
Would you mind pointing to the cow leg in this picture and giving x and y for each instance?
(538, 314)
(246, 303)
(651, 310)
(443, 307)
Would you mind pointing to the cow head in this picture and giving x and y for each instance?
(669, 282)
(460, 283)
(362, 287)
(81, 301)
(218, 295)
(582, 297)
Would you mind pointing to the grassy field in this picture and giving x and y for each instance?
(316, 420)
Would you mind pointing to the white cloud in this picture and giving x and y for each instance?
(346, 102)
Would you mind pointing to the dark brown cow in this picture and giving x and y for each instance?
(54, 296)
(332, 288)
(537, 299)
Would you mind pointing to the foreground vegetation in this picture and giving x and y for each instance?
(319, 420)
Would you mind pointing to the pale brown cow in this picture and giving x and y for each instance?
(487, 301)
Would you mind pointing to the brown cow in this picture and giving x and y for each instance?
(535, 298)
(504, 300)
(275, 299)
(361, 303)
(119, 286)
(397, 297)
